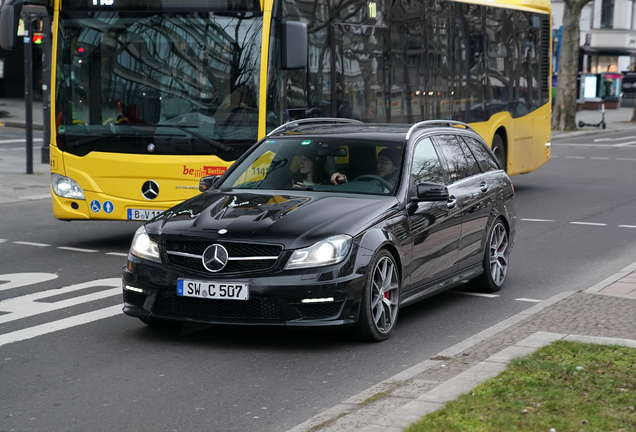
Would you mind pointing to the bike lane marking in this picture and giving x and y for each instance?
(16, 280)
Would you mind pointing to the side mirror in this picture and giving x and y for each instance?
(208, 182)
(431, 192)
(9, 21)
(294, 45)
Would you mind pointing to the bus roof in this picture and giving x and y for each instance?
(528, 5)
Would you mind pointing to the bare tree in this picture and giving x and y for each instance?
(564, 112)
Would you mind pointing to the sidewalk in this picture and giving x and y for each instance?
(604, 313)
(13, 113)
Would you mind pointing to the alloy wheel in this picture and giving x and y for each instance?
(498, 254)
(384, 295)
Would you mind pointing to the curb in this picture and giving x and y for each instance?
(556, 135)
(21, 125)
(404, 414)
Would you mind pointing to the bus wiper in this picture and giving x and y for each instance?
(213, 143)
(86, 141)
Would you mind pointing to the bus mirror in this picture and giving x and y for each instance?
(294, 45)
(207, 183)
(9, 21)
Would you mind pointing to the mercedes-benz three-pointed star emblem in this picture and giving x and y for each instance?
(215, 258)
(150, 190)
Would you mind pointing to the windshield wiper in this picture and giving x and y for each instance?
(86, 141)
(213, 143)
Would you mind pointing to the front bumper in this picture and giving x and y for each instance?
(275, 299)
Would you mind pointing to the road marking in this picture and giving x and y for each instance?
(588, 223)
(476, 294)
(76, 249)
(624, 144)
(117, 254)
(62, 324)
(626, 159)
(627, 226)
(3, 240)
(614, 139)
(31, 244)
(19, 141)
(529, 300)
(537, 220)
(16, 280)
(28, 305)
(36, 197)
(574, 157)
(599, 158)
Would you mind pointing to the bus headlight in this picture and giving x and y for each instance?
(144, 248)
(66, 187)
(329, 251)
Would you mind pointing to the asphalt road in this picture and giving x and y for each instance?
(576, 226)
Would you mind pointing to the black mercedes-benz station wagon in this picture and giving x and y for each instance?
(329, 222)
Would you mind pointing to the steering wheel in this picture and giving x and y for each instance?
(388, 186)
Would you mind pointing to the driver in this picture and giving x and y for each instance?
(388, 166)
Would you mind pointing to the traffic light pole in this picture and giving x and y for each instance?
(28, 91)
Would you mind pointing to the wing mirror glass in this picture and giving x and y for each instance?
(207, 183)
(431, 192)
(9, 21)
(294, 45)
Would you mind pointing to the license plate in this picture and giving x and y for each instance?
(213, 290)
(142, 214)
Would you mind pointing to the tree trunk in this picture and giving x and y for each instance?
(564, 112)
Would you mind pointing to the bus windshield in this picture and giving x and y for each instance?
(167, 83)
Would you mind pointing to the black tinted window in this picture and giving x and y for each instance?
(486, 161)
(455, 161)
(472, 162)
(426, 167)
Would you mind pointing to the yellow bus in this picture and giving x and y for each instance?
(148, 96)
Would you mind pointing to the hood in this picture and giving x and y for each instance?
(293, 219)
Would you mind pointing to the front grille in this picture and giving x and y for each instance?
(238, 252)
(319, 310)
(135, 299)
(257, 307)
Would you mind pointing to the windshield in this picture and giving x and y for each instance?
(166, 83)
(320, 164)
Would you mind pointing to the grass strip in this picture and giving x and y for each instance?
(565, 386)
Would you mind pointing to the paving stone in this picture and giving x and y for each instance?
(619, 288)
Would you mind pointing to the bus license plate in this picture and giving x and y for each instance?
(212, 290)
(142, 214)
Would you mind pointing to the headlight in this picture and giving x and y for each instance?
(329, 251)
(143, 247)
(66, 187)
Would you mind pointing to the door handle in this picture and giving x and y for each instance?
(452, 202)
(483, 186)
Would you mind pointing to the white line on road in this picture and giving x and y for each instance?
(574, 157)
(3, 240)
(117, 254)
(476, 294)
(36, 197)
(16, 280)
(626, 159)
(627, 226)
(18, 141)
(31, 244)
(62, 324)
(614, 139)
(529, 300)
(76, 249)
(28, 305)
(537, 220)
(599, 158)
(624, 144)
(588, 223)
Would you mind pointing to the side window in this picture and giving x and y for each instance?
(470, 158)
(426, 166)
(486, 161)
(455, 161)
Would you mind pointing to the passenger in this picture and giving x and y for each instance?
(312, 169)
(388, 166)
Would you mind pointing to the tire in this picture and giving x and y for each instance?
(603, 125)
(495, 261)
(499, 149)
(380, 299)
(581, 124)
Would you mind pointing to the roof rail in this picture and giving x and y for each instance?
(295, 123)
(448, 123)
